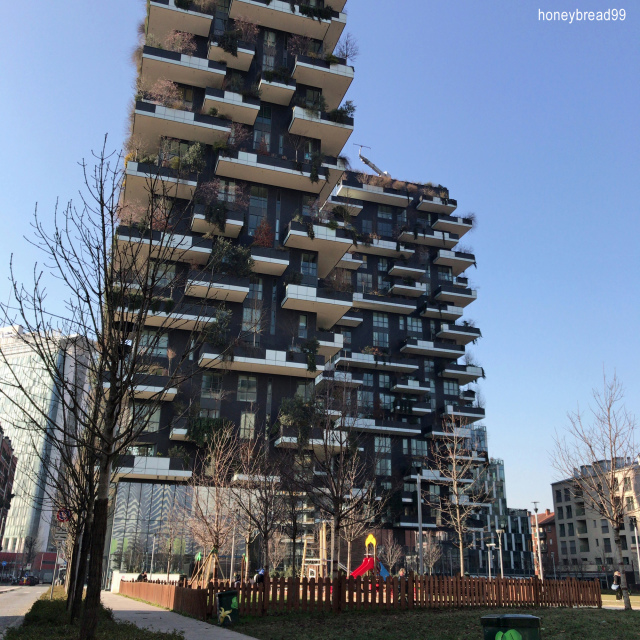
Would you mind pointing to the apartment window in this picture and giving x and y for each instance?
(381, 320)
(451, 388)
(383, 284)
(607, 545)
(383, 450)
(255, 289)
(560, 512)
(414, 327)
(627, 484)
(383, 265)
(567, 495)
(584, 546)
(304, 390)
(420, 448)
(572, 547)
(563, 532)
(609, 560)
(221, 17)
(141, 450)
(367, 379)
(630, 503)
(258, 197)
(384, 381)
(262, 130)
(247, 425)
(364, 282)
(247, 389)
(161, 274)
(302, 326)
(401, 323)
(227, 191)
(211, 385)
(147, 415)
(558, 495)
(563, 548)
(569, 512)
(385, 220)
(623, 541)
(380, 339)
(604, 525)
(209, 413)
(571, 529)
(365, 400)
(346, 336)
(251, 324)
(429, 367)
(445, 274)
(153, 344)
(309, 264)
(269, 51)
(367, 227)
(386, 401)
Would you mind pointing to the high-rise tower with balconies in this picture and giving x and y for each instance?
(366, 265)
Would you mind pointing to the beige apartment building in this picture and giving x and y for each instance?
(586, 547)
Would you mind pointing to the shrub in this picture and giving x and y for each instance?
(166, 93)
(298, 45)
(248, 30)
(181, 42)
(264, 235)
(183, 4)
(342, 114)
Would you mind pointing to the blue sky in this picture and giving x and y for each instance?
(532, 125)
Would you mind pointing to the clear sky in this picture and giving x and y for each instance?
(532, 125)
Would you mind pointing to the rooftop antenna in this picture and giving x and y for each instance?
(367, 161)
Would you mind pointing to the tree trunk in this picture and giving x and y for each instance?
(623, 575)
(461, 543)
(71, 569)
(81, 573)
(334, 529)
(98, 536)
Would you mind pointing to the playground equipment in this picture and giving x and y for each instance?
(315, 555)
(371, 562)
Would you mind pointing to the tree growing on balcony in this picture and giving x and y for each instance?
(348, 47)
(112, 280)
(597, 453)
(456, 490)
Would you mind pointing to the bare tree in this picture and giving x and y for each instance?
(339, 477)
(431, 551)
(597, 456)
(114, 257)
(357, 523)
(348, 47)
(257, 493)
(391, 554)
(211, 518)
(456, 478)
(277, 549)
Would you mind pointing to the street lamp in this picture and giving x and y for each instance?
(535, 509)
(492, 546)
(419, 487)
(553, 557)
(500, 532)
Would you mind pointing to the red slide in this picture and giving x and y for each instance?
(367, 565)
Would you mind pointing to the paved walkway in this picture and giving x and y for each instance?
(14, 603)
(147, 616)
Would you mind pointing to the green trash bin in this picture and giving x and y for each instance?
(227, 605)
(511, 627)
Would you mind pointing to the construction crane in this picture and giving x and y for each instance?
(368, 162)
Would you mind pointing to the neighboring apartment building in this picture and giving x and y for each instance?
(586, 545)
(505, 527)
(7, 473)
(28, 523)
(548, 542)
(366, 265)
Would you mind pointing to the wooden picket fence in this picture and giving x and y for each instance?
(284, 595)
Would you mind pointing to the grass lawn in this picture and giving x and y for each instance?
(456, 624)
(48, 620)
